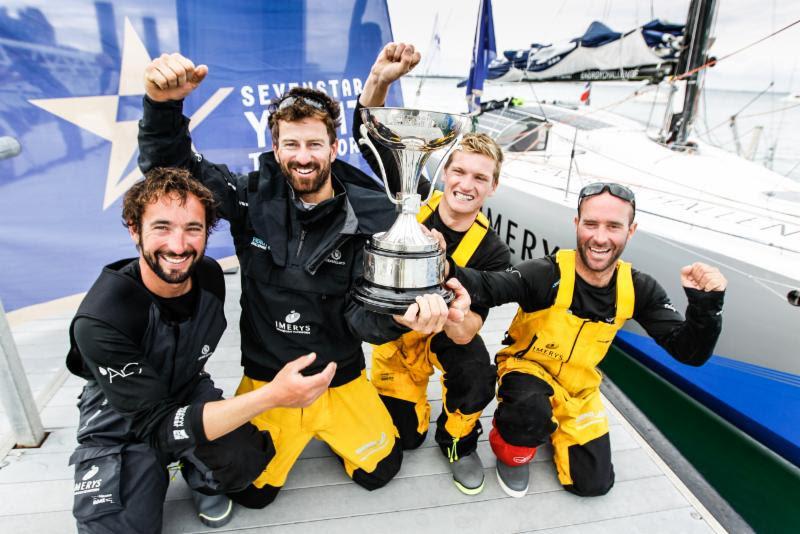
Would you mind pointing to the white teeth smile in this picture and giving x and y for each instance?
(462, 196)
(600, 250)
(175, 260)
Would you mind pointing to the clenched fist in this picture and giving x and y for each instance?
(704, 277)
(172, 77)
(394, 61)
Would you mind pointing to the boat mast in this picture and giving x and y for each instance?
(698, 29)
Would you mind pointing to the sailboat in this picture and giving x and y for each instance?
(695, 202)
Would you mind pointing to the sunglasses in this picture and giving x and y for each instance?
(291, 100)
(617, 190)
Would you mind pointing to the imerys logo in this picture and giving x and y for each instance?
(205, 352)
(550, 350)
(288, 326)
(335, 258)
(87, 484)
(91, 472)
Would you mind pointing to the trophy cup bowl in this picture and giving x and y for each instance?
(403, 263)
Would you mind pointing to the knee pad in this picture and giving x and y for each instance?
(469, 375)
(590, 468)
(404, 417)
(232, 462)
(509, 454)
(524, 414)
(384, 471)
(253, 497)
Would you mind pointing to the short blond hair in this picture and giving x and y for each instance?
(480, 143)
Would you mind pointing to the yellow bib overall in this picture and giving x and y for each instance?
(564, 350)
(402, 368)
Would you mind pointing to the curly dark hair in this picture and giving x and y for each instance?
(302, 103)
(166, 181)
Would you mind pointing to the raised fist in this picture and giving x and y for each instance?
(394, 61)
(704, 277)
(172, 77)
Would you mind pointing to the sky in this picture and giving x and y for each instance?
(518, 23)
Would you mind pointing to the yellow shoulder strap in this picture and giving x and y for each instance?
(566, 265)
(471, 240)
(625, 294)
(427, 209)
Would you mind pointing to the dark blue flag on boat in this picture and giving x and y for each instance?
(483, 53)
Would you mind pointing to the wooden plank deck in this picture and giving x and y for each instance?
(36, 496)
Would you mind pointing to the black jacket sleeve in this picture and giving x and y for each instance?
(164, 141)
(134, 388)
(689, 341)
(526, 283)
(389, 164)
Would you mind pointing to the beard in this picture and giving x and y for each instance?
(583, 250)
(314, 181)
(170, 277)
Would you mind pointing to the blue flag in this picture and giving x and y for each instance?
(483, 53)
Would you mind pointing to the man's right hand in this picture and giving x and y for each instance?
(394, 61)
(290, 389)
(172, 77)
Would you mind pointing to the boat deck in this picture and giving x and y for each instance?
(36, 496)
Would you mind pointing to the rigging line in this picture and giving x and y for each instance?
(769, 112)
(714, 61)
(757, 279)
(759, 95)
(726, 121)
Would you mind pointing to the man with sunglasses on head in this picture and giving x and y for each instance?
(402, 368)
(299, 225)
(572, 304)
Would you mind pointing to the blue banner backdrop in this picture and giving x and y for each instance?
(71, 91)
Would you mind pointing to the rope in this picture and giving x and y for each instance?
(714, 61)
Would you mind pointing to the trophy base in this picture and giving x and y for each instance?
(391, 301)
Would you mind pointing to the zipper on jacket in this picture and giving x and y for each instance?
(523, 352)
(300, 244)
(575, 342)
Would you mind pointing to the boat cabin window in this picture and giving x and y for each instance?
(529, 134)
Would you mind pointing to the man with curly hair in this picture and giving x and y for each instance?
(141, 339)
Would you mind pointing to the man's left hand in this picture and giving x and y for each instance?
(703, 277)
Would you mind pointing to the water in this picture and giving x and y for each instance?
(780, 119)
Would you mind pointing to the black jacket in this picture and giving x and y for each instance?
(298, 266)
(146, 366)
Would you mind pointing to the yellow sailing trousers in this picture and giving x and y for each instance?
(350, 418)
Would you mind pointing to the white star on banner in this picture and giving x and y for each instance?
(98, 114)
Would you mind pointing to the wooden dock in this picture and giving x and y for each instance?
(36, 484)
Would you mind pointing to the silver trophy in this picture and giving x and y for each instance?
(403, 263)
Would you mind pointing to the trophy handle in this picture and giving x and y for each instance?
(439, 167)
(365, 140)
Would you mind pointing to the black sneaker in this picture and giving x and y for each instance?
(513, 479)
(468, 474)
(213, 510)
